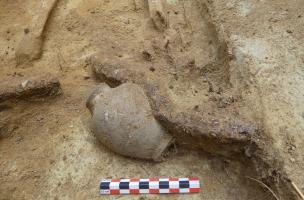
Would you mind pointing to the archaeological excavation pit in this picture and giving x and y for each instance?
(222, 80)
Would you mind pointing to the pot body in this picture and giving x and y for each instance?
(122, 120)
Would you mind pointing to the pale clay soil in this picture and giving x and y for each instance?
(48, 150)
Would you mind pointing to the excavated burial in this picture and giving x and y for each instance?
(188, 67)
(184, 72)
(188, 76)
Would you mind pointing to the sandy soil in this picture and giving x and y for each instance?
(47, 150)
(268, 49)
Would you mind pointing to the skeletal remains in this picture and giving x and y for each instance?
(30, 47)
(157, 14)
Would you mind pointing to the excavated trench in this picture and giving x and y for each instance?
(187, 79)
(179, 55)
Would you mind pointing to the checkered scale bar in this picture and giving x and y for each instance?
(150, 186)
